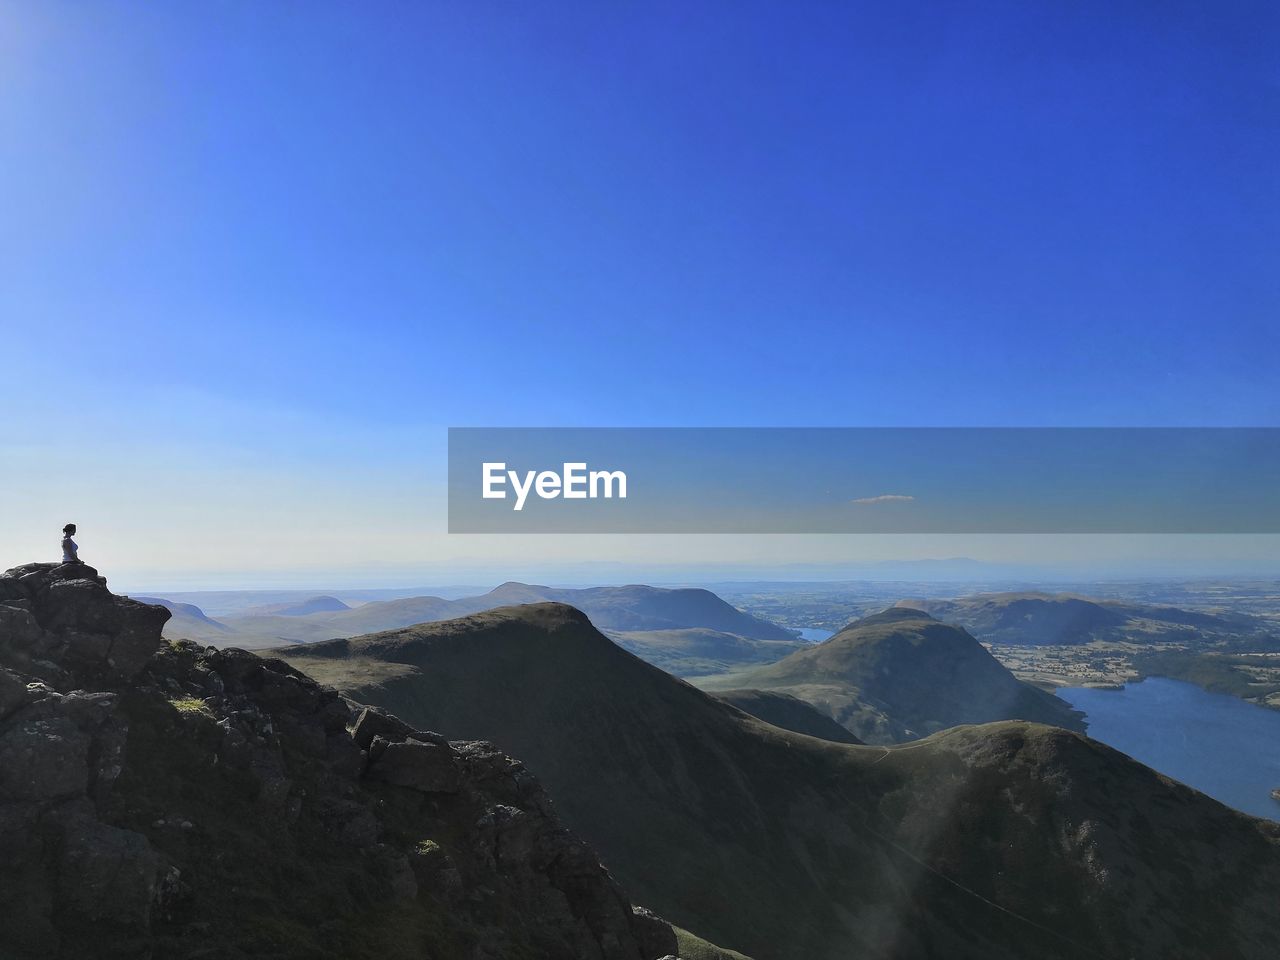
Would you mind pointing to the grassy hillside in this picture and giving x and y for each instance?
(998, 842)
(901, 674)
(693, 947)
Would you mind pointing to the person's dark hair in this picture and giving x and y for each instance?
(70, 528)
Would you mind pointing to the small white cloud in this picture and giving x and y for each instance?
(885, 498)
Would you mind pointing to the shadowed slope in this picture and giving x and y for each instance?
(788, 712)
(999, 842)
(901, 674)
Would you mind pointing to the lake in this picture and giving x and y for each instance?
(814, 635)
(1218, 744)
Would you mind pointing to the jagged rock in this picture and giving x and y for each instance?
(428, 767)
(60, 746)
(502, 776)
(286, 691)
(78, 604)
(76, 622)
(375, 723)
(135, 643)
(333, 713)
(507, 835)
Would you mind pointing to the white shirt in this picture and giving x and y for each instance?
(69, 549)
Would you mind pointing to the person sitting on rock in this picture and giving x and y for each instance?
(69, 548)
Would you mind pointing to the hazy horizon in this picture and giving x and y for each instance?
(452, 578)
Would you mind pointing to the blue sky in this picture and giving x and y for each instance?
(255, 258)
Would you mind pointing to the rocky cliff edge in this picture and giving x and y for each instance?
(163, 799)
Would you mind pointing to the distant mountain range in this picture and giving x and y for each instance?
(617, 609)
(1032, 618)
(303, 608)
(1002, 841)
(901, 674)
(188, 620)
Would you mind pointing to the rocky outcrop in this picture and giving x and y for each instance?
(59, 621)
(161, 799)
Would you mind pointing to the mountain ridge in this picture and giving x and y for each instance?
(999, 841)
(630, 608)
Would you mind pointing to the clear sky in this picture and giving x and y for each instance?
(256, 257)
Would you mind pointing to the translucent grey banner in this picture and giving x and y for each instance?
(864, 480)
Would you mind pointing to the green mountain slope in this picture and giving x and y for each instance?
(999, 842)
(901, 674)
